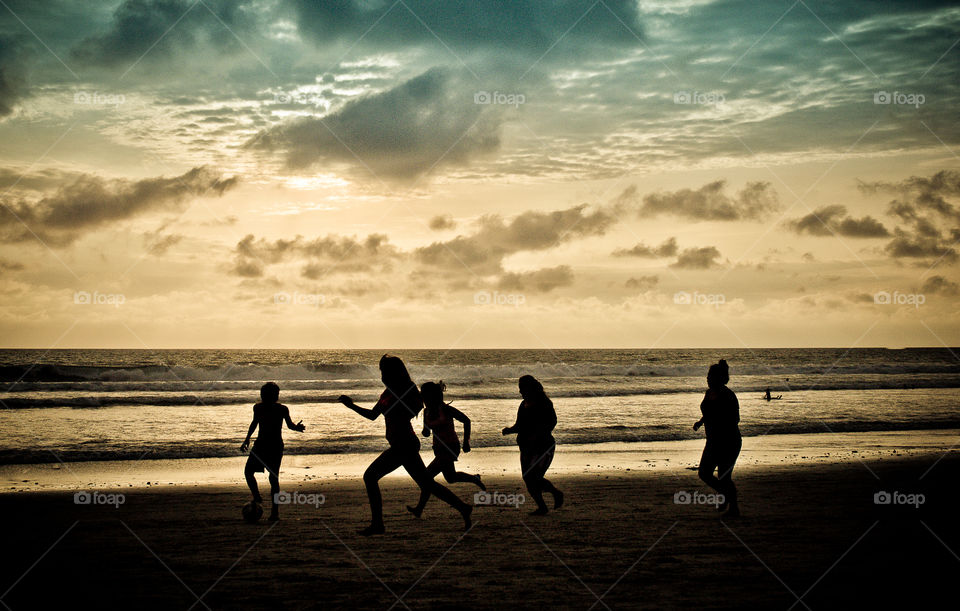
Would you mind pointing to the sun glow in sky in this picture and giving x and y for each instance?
(479, 174)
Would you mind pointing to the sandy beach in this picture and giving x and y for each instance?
(812, 535)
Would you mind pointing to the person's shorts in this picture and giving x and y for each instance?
(265, 458)
(446, 451)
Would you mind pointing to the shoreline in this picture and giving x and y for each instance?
(600, 459)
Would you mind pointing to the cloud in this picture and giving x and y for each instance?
(931, 222)
(541, 280)
(151, 30)
(667, 249)
(322, 256)
(833, 220)
(697, 258)
(428, 121)
(708, 203)
(494, 239)
(91, 201)
(520, 27)
(940, 285)
(442, 222)
(643, 283)
(12, 83)
(158, 245)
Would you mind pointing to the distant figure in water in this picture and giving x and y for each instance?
(721, 418)
(267, 450)
(398, 404)
(438, 417)
(767, 395)
(536, 420)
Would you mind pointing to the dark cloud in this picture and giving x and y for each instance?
(158, 29)
(91, 201)
(834, 220)
(427, 121)
(667, 249)
(940, 285)
(643, 283)
(708, 203)
(12, 82)
(931, 222)
(697, 258)
(321, 256)
(442, 222)
(483, 251)
(541, 280)
(526, 27)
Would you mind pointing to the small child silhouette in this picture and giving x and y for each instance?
(267, 450)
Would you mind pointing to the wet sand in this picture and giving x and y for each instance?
(811, 531)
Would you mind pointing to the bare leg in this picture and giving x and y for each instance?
(415, 467)
(453, 476)
(252, 483)
(388, 461)
(432, 470)
(274, 490)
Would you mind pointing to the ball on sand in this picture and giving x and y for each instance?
(252, 512)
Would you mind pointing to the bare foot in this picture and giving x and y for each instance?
(416, 511)
(373, 529)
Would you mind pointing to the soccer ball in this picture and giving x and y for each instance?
(252, 512)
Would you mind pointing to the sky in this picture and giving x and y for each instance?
(479, 174)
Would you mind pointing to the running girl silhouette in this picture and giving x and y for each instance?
(398, 404)
(438, 417)
(721, 418)
(536, 420)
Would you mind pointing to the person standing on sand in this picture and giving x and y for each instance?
(267, 450)
(438, 417)
(398, 404)
(721, 418)
(536, 420)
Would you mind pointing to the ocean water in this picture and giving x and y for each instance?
(68, 405)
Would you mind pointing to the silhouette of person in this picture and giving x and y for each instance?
(438, 417)
(398, 404)
(767, 395)
(536, 420)
(267, 450)
(721, 418)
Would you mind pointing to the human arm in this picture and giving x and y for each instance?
(369, 414)
(460, 416)
(250, 430)
(510, 430)
(299, 427)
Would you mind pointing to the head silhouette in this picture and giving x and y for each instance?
(269, 392)
(394, 374)
(432, 393)
(718, 375)
(531, 388)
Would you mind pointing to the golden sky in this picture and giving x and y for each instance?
(441, 174)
